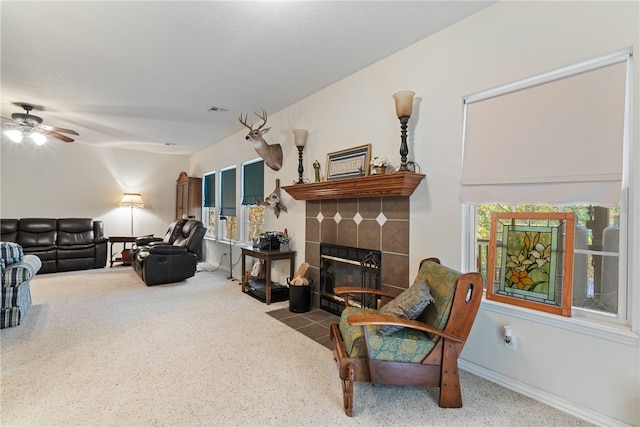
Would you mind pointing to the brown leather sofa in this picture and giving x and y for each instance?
(62, 244)
(172, 258)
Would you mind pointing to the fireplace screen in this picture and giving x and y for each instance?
(347, 266)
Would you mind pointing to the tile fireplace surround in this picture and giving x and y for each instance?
(379, 223)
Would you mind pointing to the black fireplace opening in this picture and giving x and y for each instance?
(348, 266)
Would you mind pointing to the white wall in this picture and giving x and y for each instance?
(60, 180)
(588, 374)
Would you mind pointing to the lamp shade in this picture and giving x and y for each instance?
(404, 103)
(300, 137)
(132, 200)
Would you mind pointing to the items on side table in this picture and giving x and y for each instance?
(257, 288)
(63, 244)
(16, 272)
(268, 241)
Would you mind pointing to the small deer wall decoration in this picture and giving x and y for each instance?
(274, 201)
(270, 153)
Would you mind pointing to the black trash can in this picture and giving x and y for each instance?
(299, 298)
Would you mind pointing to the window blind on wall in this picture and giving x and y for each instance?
(552, 139)
(253, 184)
(228, 192)
(209, 191)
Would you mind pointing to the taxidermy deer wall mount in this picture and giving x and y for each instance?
(270, 153)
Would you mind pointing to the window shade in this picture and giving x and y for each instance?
(228, 188)
(210, 190)
(253, 184)
(556, 141)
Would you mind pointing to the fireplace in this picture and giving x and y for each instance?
(347, 266)
(378, 224)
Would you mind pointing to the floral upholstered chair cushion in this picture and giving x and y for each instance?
(406, 344)
(442, 282)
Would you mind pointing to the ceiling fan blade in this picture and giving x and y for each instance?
(7, 119)
(57, 129)
(59, 136)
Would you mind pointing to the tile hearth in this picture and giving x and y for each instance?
(313, 324)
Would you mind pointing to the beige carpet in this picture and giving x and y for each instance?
(101, 348)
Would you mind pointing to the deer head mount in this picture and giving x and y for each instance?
(273, 201)
(270, 153)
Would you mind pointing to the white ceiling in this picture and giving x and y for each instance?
(142, 75)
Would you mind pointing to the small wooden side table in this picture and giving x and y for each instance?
(268, 256)
(119, 239)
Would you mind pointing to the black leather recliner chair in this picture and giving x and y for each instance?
(172, 259)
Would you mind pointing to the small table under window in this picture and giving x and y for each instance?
(268, 256)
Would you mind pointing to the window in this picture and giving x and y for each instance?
(552, 143)
(252, 193)
(596, 251)
(209, 203)
(228, 229)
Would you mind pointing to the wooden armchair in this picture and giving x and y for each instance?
(435, 339)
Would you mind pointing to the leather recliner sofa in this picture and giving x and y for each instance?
(63, 244)
(172, 259)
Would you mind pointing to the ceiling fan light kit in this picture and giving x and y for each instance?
(18, 135)
(25, 125)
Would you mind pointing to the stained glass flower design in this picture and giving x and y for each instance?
(528, 268)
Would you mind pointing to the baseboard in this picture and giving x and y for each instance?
(540, 396)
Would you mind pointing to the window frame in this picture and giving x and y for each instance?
(221, 231)
(244, 209)
(470, 246)
(212, 231)
(609, 326)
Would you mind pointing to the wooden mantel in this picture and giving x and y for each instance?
(386, 185)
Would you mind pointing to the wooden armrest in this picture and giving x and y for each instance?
(383, 319)
(341, 290)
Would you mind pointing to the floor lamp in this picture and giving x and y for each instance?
(132, 200)
(224, 218)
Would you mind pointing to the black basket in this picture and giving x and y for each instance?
(299, 297)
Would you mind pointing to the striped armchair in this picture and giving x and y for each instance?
(16, 271)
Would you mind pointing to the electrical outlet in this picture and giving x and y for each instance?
(512, 344)
(509, 338)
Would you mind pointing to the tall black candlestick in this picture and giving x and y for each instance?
(404, 149)
(300, 168)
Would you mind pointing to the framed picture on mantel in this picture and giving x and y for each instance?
(349, 163)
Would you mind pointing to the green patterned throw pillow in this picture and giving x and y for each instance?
(409, 304)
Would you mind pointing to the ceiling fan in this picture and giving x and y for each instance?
(27, 125)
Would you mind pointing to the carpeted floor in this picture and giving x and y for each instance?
(99, 348)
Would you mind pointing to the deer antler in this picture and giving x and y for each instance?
(244, 121)
(262, 117)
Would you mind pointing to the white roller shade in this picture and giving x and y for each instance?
(552, 139)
